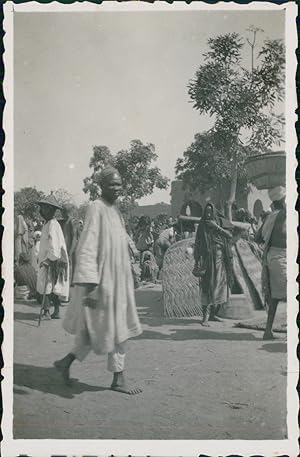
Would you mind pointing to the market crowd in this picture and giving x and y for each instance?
(95, 265)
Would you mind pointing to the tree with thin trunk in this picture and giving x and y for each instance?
(242, 96)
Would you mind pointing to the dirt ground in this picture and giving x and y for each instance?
(198, 383)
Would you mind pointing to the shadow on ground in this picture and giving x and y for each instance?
(31, 303)
(275, 347)
(20, 316)
(194, 334)
(48, 380)
(161, 321)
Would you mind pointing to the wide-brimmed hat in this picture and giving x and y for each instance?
(50, 200)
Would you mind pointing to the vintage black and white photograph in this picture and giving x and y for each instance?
(151, 224)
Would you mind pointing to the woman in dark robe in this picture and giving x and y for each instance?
(213, 262)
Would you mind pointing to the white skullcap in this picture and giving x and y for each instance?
(277, 193)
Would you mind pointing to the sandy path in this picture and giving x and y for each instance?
(216, 383)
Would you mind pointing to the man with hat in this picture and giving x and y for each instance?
(53, 265)
(102, 311)
(273, 234)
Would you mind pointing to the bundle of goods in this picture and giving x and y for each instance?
(180, 288)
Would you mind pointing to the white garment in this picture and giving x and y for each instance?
(102, 258)
(52, 246)
(82, 347)
(37, 248)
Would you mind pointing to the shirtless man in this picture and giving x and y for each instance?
(273, 234)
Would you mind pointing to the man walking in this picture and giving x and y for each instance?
(102, 313)
(53, 265)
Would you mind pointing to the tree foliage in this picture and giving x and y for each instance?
(64, 197)
(139, 177)
(66, 201)
(25, 202)
(82, 208)
(242, 103)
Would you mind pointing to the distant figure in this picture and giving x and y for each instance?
(149, 267)
(53, 273)
(21, 237)
(144, 237)
(25, 275)
(170, 222)
(80, 227)
(31, 243)
(213, 260)
(71, 234)
(102, 312)
(274, 277)
(162, 244)
(134, 258)
(37, 240)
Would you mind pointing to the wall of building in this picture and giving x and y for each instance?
(179, 196)
(152, 210)
(254, 197)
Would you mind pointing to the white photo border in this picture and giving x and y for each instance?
(44, 448)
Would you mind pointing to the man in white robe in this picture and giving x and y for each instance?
(53, 265)
(102, 312)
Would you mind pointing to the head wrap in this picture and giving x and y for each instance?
(277, 193)
(107, 172)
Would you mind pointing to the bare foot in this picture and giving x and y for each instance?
(119, 385)
(46, 316)
(64, 370)
(125, 389)
(205, 324)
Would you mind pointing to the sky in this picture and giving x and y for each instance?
(85, 79)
